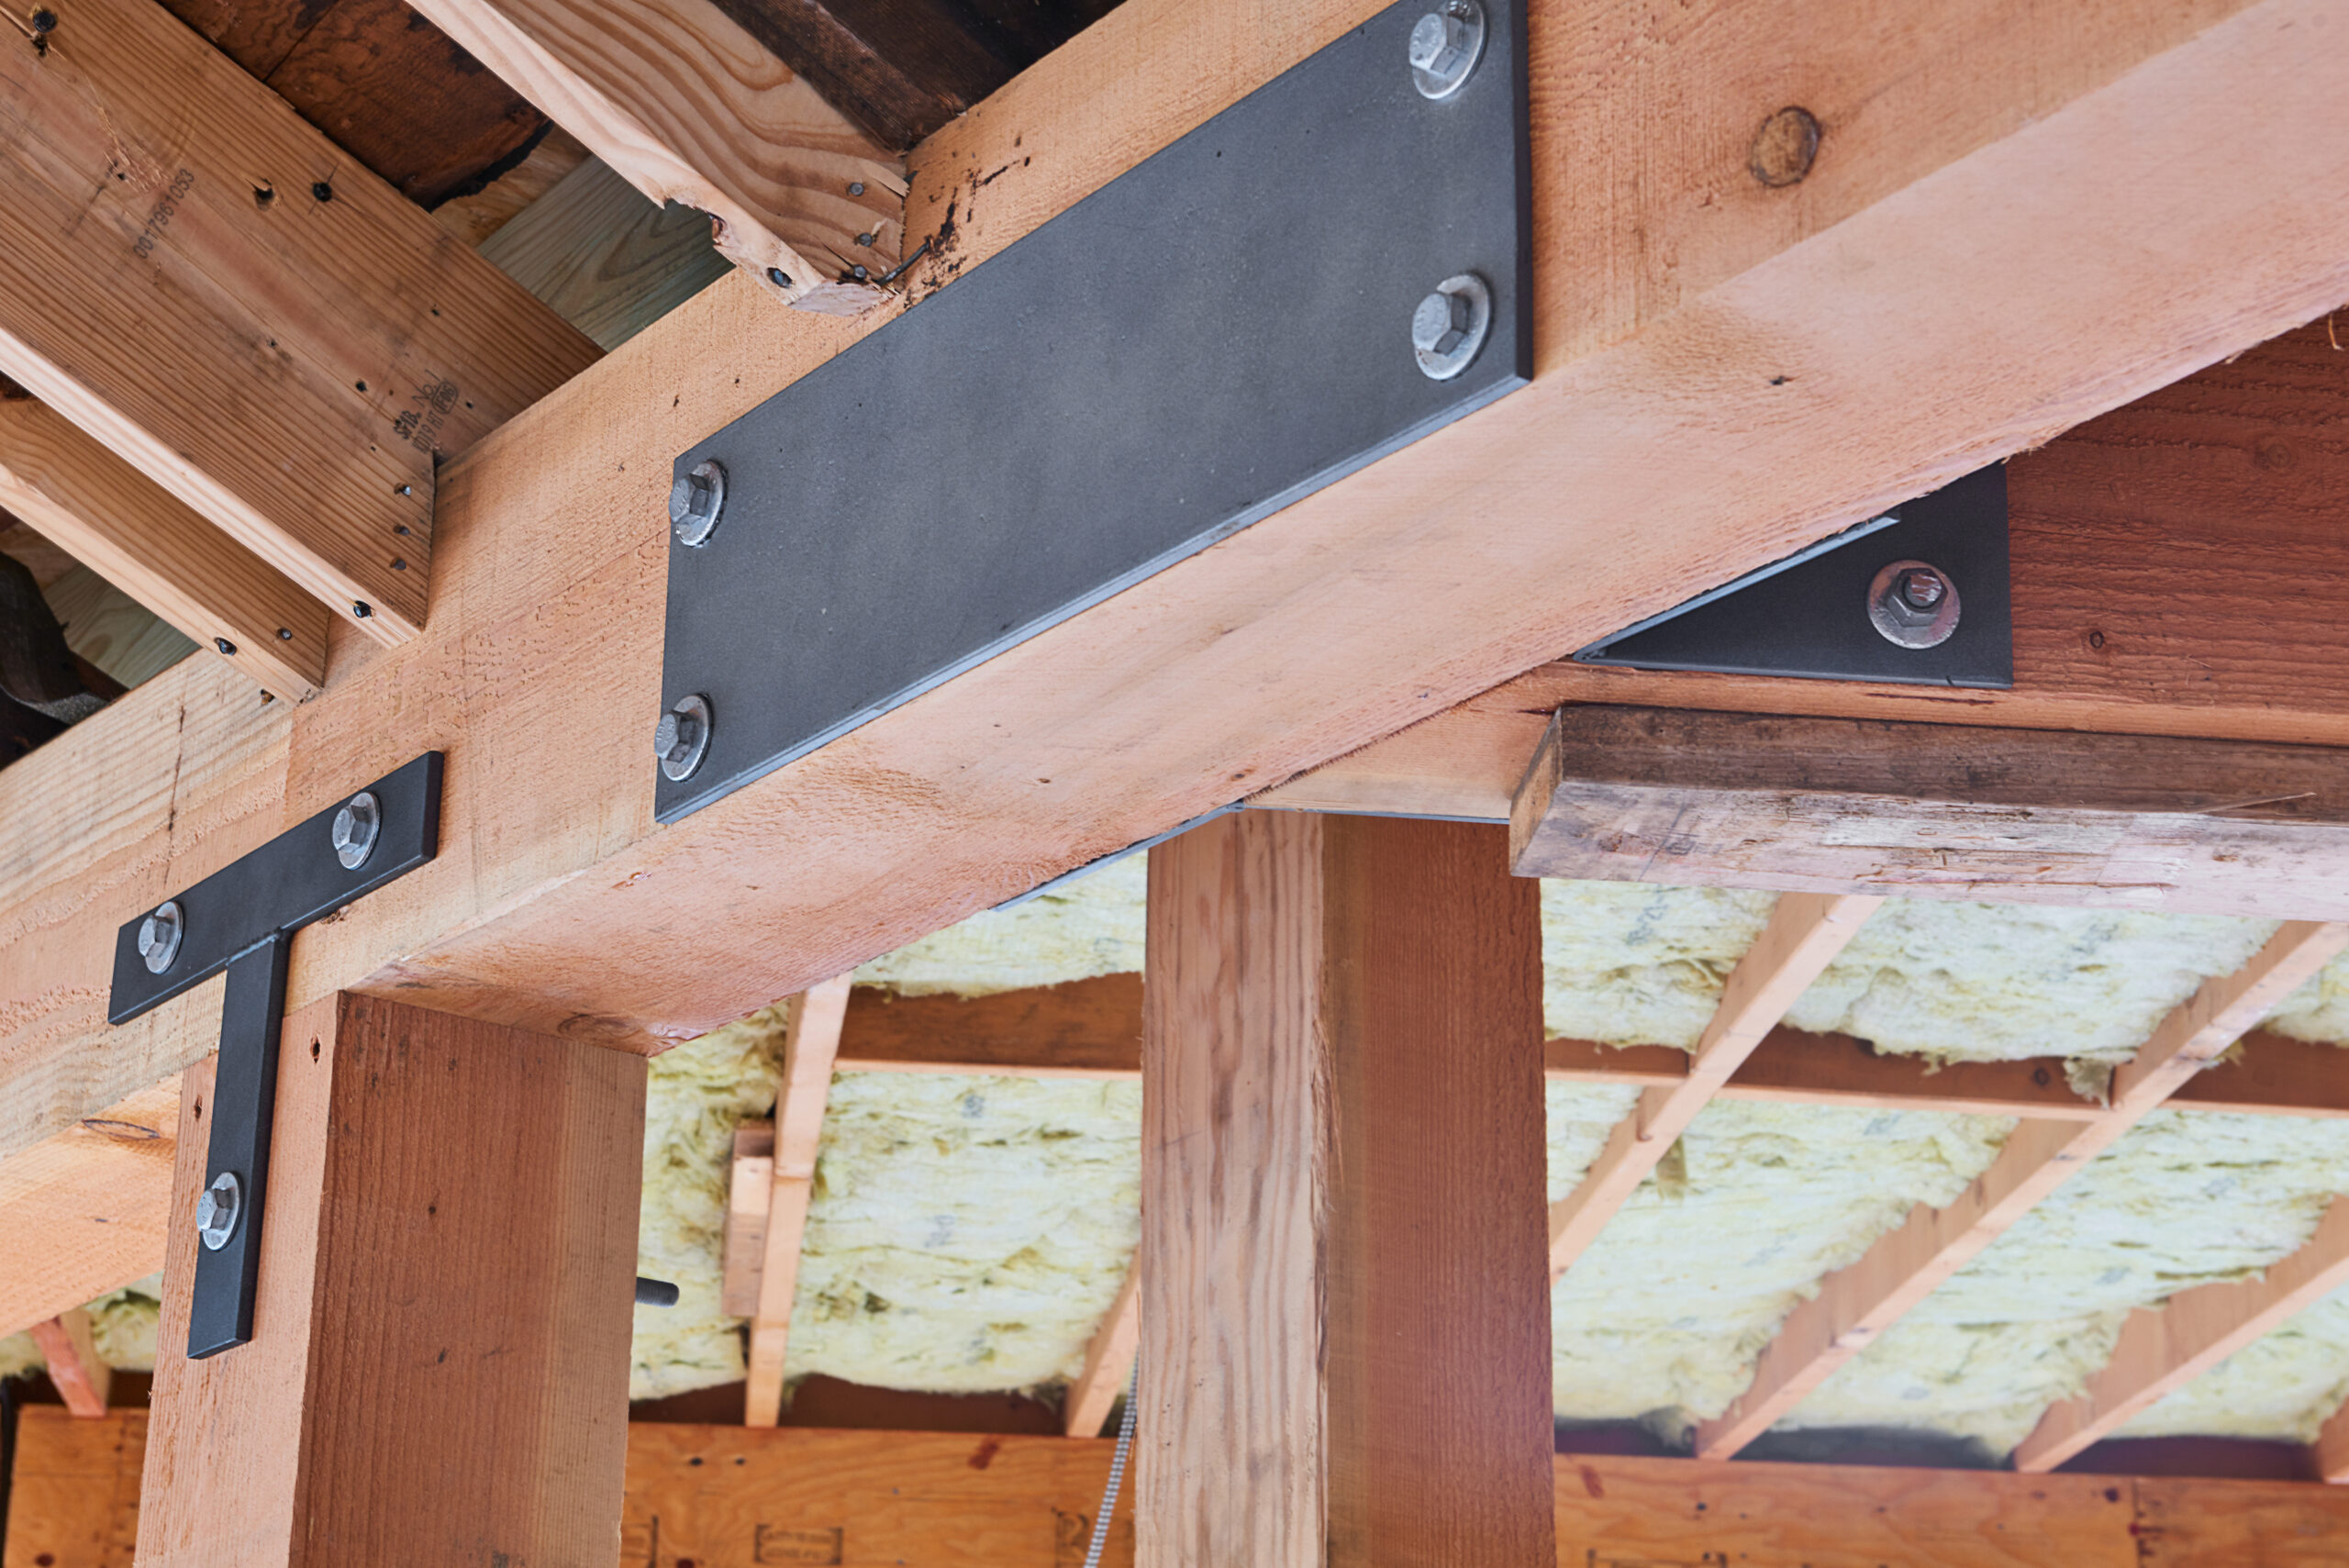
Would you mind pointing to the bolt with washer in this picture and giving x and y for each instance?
(217, 1209)
(695, 501)
(1449, 325)
(1446, 44)
(1913, 604)
(681, 739)
(158, 937)
(356, 828)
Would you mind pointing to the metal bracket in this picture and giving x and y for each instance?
(241, 919)
(1329, 270)
(1834, 612)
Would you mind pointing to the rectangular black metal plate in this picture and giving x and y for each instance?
(1217, 333)
(243, 1113)
(284, 884)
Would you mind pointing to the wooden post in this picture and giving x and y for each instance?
(1345, 1323)
(439, 1368)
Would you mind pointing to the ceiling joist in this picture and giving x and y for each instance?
(810, 1043)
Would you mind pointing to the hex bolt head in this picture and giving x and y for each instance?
(356, 828)
(695, 501)
(1449, 325)
(1440, 323)
(682, 738)
(1913, 604)
(1446, 44)
(158, 937)
(217, 1209)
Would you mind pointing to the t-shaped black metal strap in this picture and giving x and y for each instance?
(243, 919)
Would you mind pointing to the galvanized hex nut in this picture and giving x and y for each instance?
(1440, 323)
(682, 738)
(1450, 326)
(217, 1209)
(1913, 604)
(1446, 44)
(158, 937)
(695, 501)
(356, 828)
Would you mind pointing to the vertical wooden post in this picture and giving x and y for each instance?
(1345, 1317)
(439, 1368)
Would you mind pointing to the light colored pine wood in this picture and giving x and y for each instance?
(74, 1491)
(170, 283)
(439, 1368)
(1109, 1362)
(605, 258)
(2270, 1524)
(2166, 1347)
(1804, 934)
(750, 1193)
(1345, 1325)
(1936, 810)
(144, 540)
(811, 1041)
(96, 1194)
(2332, 1454)
(689, 107)
(1856, 1304)
(82, 1380)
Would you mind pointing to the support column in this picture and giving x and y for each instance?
(439, 1367)
(1345, 1354)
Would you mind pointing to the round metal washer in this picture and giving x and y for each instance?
(217, 1209)
(158, 937)
(695, 502)
(1446, 45)
(356, 828)
(1444, 354)
(683, 739)
(1907, 625)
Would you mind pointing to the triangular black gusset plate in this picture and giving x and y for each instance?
(1807, 615)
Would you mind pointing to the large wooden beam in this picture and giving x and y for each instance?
(689, 107)
(2166, 1347)
(1968, 146)
(200, 279)
(438, 1366)
(1804, 934)
(1345, 1353)
(1936, 810)
(1856, 1304)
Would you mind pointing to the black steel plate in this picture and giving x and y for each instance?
(1806, 615)
(1214, 335)
(284, 884)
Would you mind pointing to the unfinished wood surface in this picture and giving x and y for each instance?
(2331, 1448)
(81, 1379)
(750, 1193)
(96, 1195)
(605, 258)
(73, 1489)
(1806, 930)
(810, 1043)
(1857, 1304)
(1345, 1321)
(2271, 1074)
(1970, 147)
(688, 107)
(439, 1367)
(153, 546)
(2270, 1524)
(1935, 810)
(2165, 1348)
(1090, 1029)
(264, 328)
(1109, 1362)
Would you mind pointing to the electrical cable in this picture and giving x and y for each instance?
(1116, 1473)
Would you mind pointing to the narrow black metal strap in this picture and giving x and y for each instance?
(244, 1097)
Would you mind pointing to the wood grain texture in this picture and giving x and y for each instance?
(73, 1489)
(149, 543)
(1109, 1362)
(900, 68)
(285, 364)
(1855, 1305)
(1088, 1028)
(2332, 1448)
(602, 258)
(1934, 810)
(439, 1368)
(81, 1379)
(1345, 1353)
(1805, 932)
(811, 1041)
(2166, 1347)
(96, 1195)
(2272, 1524)
(676, 97)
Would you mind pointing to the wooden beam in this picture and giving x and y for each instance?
(2165, 1348)
(1341, 1193)
(605, 258)
(1306, 635)
(901, 68)
(97, 1194)
(81, 1379)
(686, 106)
(1856, 1304)
(73, 1489)
(439, 1367)
(146, 541)
(2333, 1448)
(1804, 934)
(1109, 1362)
(268, 331)
(810, 1043)
(1088, 1028)
(1937, 811)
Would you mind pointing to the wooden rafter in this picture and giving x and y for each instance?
(810, 1043)
(1856, 1304)
(1109, 1362)
(1804, 934)
(2166, 1347)
(689, 107)
(80, 1378)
